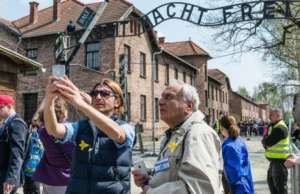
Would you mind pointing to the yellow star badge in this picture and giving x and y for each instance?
(172, 146)
(83, 145)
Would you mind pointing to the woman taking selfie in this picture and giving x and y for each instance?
(236, 158)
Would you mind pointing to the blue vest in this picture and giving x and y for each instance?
(98, 165)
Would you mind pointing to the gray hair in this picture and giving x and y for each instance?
(277, 111)
(189, 92)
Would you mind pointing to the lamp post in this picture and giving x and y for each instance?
(153, 96)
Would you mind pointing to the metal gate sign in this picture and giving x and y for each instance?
(86, 17)
(200, 16)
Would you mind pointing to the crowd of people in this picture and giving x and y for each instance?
(94, 154)
(253, 128)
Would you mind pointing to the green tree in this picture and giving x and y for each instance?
(277, 97)
(243, 91)
(256, 35)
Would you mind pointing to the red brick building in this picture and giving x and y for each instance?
(217, 94)
(244, 109)
(264, 110)
(35, 35)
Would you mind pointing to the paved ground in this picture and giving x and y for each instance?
(259, 164)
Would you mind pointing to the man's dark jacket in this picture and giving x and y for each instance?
(12, 148)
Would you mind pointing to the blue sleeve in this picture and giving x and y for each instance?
(71, 132)
(232, 164)
(130, 135)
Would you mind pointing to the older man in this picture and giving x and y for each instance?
(12, 145)
(190, 158)
(276, 144)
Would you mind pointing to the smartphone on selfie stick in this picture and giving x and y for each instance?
(140, 166)
(58, 71)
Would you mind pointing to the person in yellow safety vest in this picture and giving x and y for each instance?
(217, 123)
(276, 143)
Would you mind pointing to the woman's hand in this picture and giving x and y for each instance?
(51, 89)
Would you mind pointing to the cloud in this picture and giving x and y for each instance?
(160, 34)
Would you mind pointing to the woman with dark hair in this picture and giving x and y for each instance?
(236, 160)
(55, 166)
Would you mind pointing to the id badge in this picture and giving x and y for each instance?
(162, 165)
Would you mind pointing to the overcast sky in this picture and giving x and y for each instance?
(248, 72)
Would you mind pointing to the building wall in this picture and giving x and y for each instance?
(214, 104)
(265, 113)
(200, 62)
(244, 109)
(8, 40)
(249, 110)
(235, 105)
(85, 79)
(262, 114)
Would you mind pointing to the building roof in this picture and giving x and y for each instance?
(19, 59)
(183, 61)
(261, 103)
(70, 10)
(252, 102)
(8, 25)
(184, 48)
(210, 77)
(220, 76)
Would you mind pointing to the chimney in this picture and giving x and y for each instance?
(161, 40)
(33, 12)
(56, 10)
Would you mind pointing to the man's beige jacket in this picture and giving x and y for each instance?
(195, 170)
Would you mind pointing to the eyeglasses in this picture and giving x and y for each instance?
(103, 93)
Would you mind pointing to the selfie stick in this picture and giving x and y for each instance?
(85, 35)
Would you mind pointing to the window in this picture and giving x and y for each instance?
(131, 26)
(139, 30)
(212, 92)
(213, 114)
(206, 98)
(142, 65)
(191, 79)
(143, 108)
(156, 71)
(176, 73)
(220, 92)
(216, 94)
(205, 70)
(30, 106)
(156, 110)
(129, 106)
(167, 74)
(223, 97)
(226, 97)
(134, 27)
(127, 53)
(184, 77)
(208, 91)
(32, 54)
(92, 56)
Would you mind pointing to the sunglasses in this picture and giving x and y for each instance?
(103, 93)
